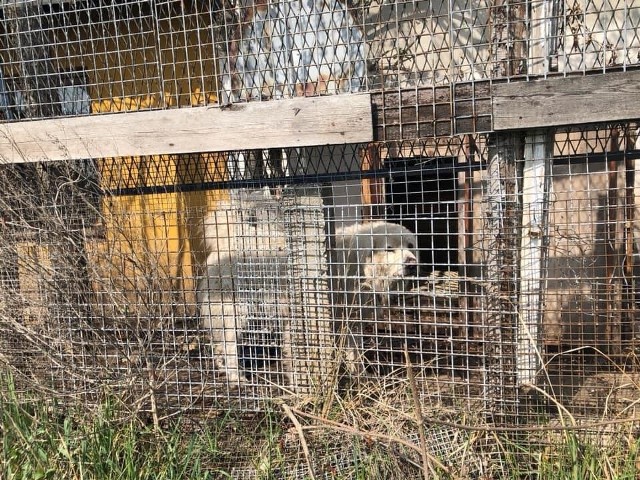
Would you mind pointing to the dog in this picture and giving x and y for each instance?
(370, 264)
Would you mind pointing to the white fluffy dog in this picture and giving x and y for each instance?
(369, 264)
(372, 263)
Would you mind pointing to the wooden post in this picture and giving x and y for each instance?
(465, 233)
(502, 218)
(372, 188)
(501, 225)
(538, 149)
(508, 38)
(535, 197)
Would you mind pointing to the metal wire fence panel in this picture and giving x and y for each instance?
(154, 55)
(486, 279)
(247, 274)
(597, 35)
(445, 276)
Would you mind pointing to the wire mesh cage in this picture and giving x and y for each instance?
(151, 55)
(177, 300)
(488, 277)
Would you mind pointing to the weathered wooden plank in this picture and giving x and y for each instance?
(256, 125)
(499, 260)
(534, 198)
(538, 147)
(566, 101)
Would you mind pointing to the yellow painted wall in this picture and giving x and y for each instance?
(154, 242)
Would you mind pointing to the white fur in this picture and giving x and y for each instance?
(369, 262)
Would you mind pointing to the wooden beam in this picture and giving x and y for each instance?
(566, 101)
(256, 125)
(499, 261)
(534, 225)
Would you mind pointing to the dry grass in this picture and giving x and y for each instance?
(366, 431)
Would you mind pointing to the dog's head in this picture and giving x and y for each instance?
(392, 261)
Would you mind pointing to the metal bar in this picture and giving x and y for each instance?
(290, 180)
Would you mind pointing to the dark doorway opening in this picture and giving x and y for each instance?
(421, 195)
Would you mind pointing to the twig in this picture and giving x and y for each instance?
(426, 466)
(303, 441)
(152, 396)
(369, 435)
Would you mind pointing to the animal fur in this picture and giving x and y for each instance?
(369, 265)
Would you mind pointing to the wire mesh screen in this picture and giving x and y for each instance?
(244, 285)
(597, 35)
(149, 55)
(487, 280)
(590, 270)
(495, 275)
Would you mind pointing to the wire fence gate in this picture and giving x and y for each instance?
(431, 236)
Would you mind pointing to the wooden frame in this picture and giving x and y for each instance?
(293, 122)
(566, 101)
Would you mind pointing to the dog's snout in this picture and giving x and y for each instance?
(410, 266)
(410, 258)
(411, 270)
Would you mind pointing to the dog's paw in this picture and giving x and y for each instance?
(234, 377)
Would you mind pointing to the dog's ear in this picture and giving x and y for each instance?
(364, 246)
(353, 247)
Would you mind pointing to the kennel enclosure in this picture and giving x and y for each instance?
(503, 133)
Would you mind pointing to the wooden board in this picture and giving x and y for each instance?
(536, 149)
(257, 125)
(566, 101)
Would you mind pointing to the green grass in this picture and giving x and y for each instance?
(576, 459)
(42, 440)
